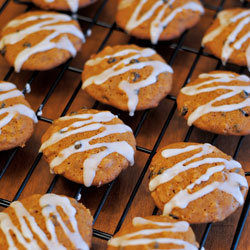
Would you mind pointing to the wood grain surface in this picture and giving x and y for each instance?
(221, 234)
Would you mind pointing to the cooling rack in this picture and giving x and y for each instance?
(55, 93)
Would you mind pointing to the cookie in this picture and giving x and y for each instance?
(40, 40)
(228, 37)
(157, 19)
(154, 232)
(89, 147)
(127, 77)
(217, 102)
(48, 222)
(16, 117)
(73, 6)
(197, 183)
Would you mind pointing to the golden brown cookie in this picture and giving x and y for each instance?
(228, 37)
(46, 222)
(157, 19)
(154, 232)
(197, 183)
(16, 117)
(90, 147)
(71, 5)
(39, 40)
(217, 102)
(127, 77)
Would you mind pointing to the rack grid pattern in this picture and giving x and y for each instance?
(176, 47)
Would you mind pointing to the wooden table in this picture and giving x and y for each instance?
(24, 171)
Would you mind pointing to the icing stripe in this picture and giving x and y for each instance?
(124, 4)
(205, 87)
(90, 165)
(17, 22)
(158, 25)
(183, 244)
(10, 94)
(179, 226)
(124, 66)
(73, 4)
(46, 43)
(181, 199)
(98, 117)
(97, 60)
(6, 86)
(49, 202)
(25, 235)
(129, 239)
(234, 41)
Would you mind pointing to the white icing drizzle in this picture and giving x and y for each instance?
(6, 86)
(25, 236)
(10, 94)
(234, 41)
(92, 123)
(49, 202)
(248, 56)
(45, 23)
(10, 91)
(124, 66)
(128, 239)
(179, 226)
(205, 87)
(158, 24)
(181, 199)
(17, 22)
(73, 4)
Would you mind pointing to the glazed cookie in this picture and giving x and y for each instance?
(63, 4)
(154, 232)
(127, 77)
(157, 19)
(228, 37)
(197, 183)
(46, 222)
(90, 147)
(16, 117)
(217, 102)
(39, 40)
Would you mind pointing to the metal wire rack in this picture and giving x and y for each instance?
(175, 47)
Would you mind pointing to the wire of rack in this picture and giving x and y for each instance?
(176, 47)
